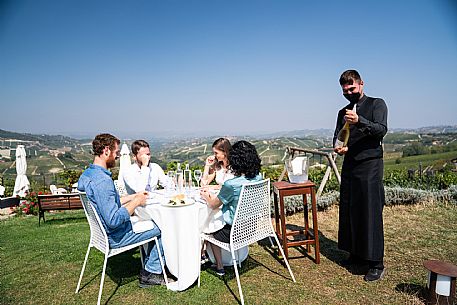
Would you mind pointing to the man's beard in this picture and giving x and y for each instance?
(111, 163)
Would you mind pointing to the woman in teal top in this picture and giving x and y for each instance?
(245, 165)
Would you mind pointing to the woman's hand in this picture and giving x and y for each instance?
(206, 194)
(210, 160)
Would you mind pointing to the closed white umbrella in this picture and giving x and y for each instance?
(125, 162)
(21, 186)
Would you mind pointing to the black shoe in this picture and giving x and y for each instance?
(219, 272)
(151, 279)
(204, 259)
(374, 274)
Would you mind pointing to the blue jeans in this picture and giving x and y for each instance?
(152, 262)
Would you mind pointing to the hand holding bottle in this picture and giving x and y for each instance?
(351, 117)
(341, 150)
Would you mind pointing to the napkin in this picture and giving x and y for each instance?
(298, 165)
(141, 225)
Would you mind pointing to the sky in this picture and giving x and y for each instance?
(221, 67)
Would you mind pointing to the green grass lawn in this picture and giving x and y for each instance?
(41, 265)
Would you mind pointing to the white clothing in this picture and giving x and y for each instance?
(223, 175)
(145, 178)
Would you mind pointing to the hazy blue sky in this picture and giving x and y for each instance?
(228, 66)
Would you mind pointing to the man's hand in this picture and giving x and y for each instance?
(351, 117)
(340, 150)
(144, 159)
(140, 198)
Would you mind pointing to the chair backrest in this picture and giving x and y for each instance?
(120, 188)
(53, 189)
(252, 221)
(98, 236)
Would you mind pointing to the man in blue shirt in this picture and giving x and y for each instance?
(115, 212)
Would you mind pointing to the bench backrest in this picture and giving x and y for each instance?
(59, 202)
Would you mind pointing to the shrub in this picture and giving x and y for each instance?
(29, 205)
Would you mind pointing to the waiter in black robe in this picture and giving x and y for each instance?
(362, 198)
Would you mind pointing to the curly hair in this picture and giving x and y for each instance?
(223, 145)
(103, 140)
(244, 160)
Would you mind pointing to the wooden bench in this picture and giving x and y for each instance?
(9, 202)
(69, 201)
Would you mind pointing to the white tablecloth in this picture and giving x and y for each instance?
(180, 229)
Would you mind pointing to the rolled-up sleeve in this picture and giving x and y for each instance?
(226, 194)
(109, 208)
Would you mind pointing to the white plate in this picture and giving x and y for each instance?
(189, 201)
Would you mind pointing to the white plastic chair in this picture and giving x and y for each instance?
(252, 222)
(57, 191)
(99, 240)
(120, 188)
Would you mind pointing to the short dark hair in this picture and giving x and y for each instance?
(136, 146)
(244, 160)
(349, 77)
(223, 144)
(103, 140)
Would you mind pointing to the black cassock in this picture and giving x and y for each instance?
(362, 192)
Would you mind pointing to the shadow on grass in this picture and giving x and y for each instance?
(121, 269)
(64, 219)
(248, 264)
(413, 289)
(328, 247)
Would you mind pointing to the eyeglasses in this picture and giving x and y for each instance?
(118, 154)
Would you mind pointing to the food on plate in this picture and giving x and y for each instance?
(179, 199)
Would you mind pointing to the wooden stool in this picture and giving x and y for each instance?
(441, 282)
(284, 189)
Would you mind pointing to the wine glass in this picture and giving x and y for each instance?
(198, 176)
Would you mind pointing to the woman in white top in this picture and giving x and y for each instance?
(142, 175)
(217, 165)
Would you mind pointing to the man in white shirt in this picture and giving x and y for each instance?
(142, 175)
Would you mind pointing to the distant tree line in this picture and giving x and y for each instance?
(417, 148)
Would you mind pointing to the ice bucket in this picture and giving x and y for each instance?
(297, 169)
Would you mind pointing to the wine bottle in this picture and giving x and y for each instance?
(343, 134)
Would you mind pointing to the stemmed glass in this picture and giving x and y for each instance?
(198, 176)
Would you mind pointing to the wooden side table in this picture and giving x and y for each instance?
(283, 189)
(441, 282)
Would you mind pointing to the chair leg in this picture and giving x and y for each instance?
(142, 254)
(82, 270)
(199, 263)
(271, 241)
(102, 280)
(238, 258)
(237, 277)
(161, 260)
(285, 258)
